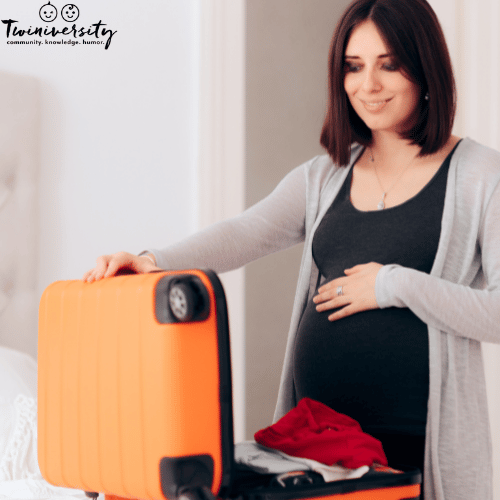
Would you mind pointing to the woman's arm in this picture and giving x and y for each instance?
(274, 223)
(453, 308)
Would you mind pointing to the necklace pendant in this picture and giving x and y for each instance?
(381, 204)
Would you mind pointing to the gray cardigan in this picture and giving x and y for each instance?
(459, 300)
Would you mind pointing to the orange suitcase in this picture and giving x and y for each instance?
(134, 395)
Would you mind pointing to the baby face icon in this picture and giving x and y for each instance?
(48, 13)
(70, 12)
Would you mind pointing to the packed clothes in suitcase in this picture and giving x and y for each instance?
(135, 397)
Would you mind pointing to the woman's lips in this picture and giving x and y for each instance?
(375, 106)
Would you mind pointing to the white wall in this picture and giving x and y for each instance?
(119, 130)
(221, 165)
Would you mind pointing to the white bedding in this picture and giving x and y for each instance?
(20, 476)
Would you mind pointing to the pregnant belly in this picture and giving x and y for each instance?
(372, 366)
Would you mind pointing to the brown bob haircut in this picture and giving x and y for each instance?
(411, 30)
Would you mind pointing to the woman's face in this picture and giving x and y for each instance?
(378, 91)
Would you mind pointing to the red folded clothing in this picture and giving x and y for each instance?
(313, 430)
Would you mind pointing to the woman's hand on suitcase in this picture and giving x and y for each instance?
(110, 265)
(357, 292)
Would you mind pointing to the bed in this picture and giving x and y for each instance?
(20, 476)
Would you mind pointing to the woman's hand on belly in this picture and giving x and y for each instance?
(358, 292)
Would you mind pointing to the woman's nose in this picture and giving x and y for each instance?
(371, 82)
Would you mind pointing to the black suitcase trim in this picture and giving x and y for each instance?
(226, 385)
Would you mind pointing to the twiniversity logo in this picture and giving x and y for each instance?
(75, 36)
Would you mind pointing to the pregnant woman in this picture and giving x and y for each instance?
(400, 278)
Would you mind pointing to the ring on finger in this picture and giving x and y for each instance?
(340, 291)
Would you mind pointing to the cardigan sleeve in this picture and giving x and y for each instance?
(447, 306)
(275, 223)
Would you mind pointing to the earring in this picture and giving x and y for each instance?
(427, 96)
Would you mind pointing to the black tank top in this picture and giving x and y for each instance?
(373, 365)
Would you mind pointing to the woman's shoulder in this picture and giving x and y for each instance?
(321, 168)
(477, 158)
(477, 173)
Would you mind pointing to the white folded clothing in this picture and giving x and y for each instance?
(270, 461)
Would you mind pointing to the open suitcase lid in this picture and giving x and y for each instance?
(180, 475)
(134, 395)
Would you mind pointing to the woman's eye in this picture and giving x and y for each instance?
(391, 67)
(351, 68)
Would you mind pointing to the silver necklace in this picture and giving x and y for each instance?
(381, 203)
